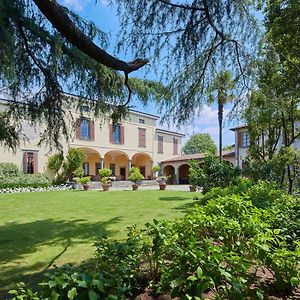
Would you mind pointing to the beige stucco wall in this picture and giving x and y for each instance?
(101, 146)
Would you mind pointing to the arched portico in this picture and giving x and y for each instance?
(118, 162)
(92, 162)
(183, 174)
(144, 162)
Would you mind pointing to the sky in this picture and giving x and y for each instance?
(105, 17)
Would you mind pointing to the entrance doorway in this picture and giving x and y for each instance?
(123, 173)
(143, 170)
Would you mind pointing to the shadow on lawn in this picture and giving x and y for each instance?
(18, 240)
(173, 198)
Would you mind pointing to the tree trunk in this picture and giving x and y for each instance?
(220, 119)
(64, 25)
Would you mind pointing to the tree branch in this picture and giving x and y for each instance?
(180, 5)
(64, 25)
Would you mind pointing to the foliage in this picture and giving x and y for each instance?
(8, 170)
(195, 173)
(55, 162)
(217, 174)
(135, 175)
(72, 163)
(104, 174)
(84, 180)
(200, 143)
(11, 177)
(34, 56)
(24, 180)
(221, 91)
(217, 247)
(190, 42)
(79, 172)
(155, 169)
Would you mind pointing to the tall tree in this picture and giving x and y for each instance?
(200, 143)
(190, 41)
(221, 92)
(45, 49)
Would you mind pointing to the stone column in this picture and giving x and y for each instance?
(151, 171)
(177, 175)
(129, 165)
(101, 163)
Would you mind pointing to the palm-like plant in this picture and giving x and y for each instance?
(220, 91)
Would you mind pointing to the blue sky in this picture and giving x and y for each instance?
(104, 16)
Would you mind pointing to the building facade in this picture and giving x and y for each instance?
(135, 142)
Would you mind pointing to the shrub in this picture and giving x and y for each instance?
(79, 172)
(216, 174)
(84, 180)
(214, 248)
(25, 180)
(135, 175)
(195, 173)
(55, 162)
(104, 174)
(8, 170)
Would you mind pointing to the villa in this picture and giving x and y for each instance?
(137, 141)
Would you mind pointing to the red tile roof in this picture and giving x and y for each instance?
(197, 156)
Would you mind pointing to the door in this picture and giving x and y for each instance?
(143, 171)
(123, 172)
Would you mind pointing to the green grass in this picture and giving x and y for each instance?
(38, 230)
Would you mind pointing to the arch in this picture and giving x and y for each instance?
(91, 162)
(117, 161)
(183, 173)
(169, 173)
(144, 162)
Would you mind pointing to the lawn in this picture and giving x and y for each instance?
(38, 230)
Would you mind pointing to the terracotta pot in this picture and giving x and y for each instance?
(192, 188)
(85, 187)
(162, 186)
(105, 187)
(135, 187)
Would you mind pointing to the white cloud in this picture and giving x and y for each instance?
(75, 4)
(208, 116)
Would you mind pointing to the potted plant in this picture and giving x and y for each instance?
(162, 183)
(104, 175)
(135, 176)
(155, 170)
(84, 180)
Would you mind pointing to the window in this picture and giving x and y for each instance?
(160, 144)
(113, 169)
(142, 137)
(84, 108)
(245, 139)
(116, 134)
(86, 168)
(85, 129)
(30, 162)
(141, 121)
(175, 146)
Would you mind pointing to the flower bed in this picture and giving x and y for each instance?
(62, 187)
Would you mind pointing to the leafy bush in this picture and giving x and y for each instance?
(55, 162)
(83, 180)
(65, 167)
(8, 170)
(104, 174)
(25, 180)
(195, 173)
(216, 174)
(135, 175)
(217, 247)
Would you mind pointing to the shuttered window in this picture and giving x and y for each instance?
(142, 137)
(116, 134)
(30, 162)
(160, 144)
(175, 146)
(85, 129)
(244, 139)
